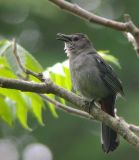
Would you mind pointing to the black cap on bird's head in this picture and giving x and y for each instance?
(74, 43)
(72, 37)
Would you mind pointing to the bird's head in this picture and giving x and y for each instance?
(74, 43)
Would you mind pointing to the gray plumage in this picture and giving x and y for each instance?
(94, 79)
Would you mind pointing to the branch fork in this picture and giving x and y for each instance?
(128, 26)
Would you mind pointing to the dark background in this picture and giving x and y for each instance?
(34, 24)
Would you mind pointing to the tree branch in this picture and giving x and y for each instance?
(134, 128)
(45, 87)
(82, 13)
(49, 87)
(128, 26)
(65, 108)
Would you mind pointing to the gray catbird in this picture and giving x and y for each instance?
(94, 79)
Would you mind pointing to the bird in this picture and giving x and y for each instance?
(93, 79)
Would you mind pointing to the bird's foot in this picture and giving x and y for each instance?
(89, 105)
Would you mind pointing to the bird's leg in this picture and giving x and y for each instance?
(89, 105)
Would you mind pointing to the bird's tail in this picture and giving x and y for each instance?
(109, 137)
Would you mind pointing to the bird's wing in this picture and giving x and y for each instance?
(108, 75)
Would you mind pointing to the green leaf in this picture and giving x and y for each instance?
(5, 70)
(22, 110)
(109, 58)
(27, 60)
(51, 106)
(22, 116)
(59, 80)
(32, 64)
(20, 104)
(4, 44)
(5, 111)
(56, 73)
(67, 78)
(37, 105)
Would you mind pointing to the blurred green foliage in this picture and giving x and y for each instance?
(16, 102)
(34, 24)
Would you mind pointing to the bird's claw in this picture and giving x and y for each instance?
(89, 105)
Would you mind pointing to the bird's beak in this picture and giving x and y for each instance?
(64, 37)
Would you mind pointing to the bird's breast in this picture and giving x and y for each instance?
(86, 78)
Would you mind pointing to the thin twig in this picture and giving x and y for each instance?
(134, 128)
(25, 70)
(16, 56)
(67, 109)
(82, 114)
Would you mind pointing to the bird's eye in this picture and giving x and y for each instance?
(75, 39)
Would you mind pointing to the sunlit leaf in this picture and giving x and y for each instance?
(37, 105)
(20, 103)
(4, 44)
(109, 58)
(22, 110)
(5, 70)
(68, 84)
(32, 64)
(26, 59)
(5, 111)
(51, 106)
